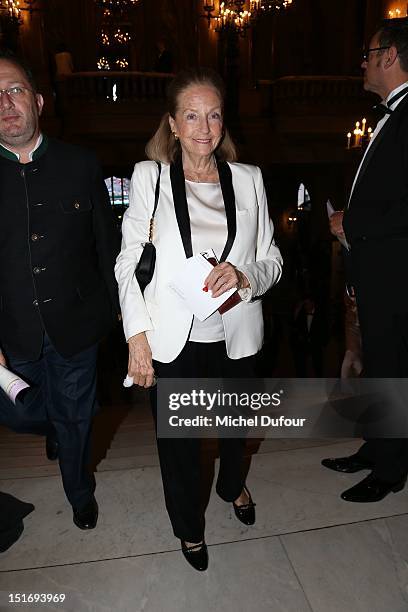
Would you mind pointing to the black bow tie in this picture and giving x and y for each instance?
(384, 109)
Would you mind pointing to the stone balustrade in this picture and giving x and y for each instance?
(294, 94)
(106, 87)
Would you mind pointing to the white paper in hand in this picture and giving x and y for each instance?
(330, 212)
(188, 284)
(11, 383)
(330, 209)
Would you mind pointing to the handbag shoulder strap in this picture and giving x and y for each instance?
(156, 201)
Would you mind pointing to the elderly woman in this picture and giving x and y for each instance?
(206, 201)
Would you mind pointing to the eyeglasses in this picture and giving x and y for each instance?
(14, 92)
(367, 53)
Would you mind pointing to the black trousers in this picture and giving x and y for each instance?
(62, 404)
(385, 355)
(180, 459)
(389, 456)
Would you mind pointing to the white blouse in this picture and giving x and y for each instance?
(208, 231)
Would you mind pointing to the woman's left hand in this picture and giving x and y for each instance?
(225, 276)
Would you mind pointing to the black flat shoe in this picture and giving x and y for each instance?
(245, 513)
(372, 489)
(196, 556)
(348, 465)
(87, 516)
(51, 448)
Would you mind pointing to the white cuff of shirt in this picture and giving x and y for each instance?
(246, 293)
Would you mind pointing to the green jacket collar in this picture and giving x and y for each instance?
(37, 153)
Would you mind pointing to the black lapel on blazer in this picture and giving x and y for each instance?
(180, 205)
(178, 187)
(378, 139)
(224, 172)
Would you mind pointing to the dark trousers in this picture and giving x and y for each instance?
(385, 355)
(180, 459)
(62, 404)
(389, 456)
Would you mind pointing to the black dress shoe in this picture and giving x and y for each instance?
(245, 513)
(87, 516)
(196, 556)
(371, 489)
(51, 448)
(348, 465)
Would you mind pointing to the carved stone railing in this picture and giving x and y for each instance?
(109, 87)
(297, 93)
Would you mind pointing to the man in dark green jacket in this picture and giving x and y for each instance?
(58, 295)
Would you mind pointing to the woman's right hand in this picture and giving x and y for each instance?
(140, 366)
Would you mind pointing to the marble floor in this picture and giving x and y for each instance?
(308, 551)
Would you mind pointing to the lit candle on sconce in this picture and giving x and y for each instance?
(394, 14)
(360, 136)
(357, 134)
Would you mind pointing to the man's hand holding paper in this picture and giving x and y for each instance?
(336, 224)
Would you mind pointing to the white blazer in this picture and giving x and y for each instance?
(160, 313)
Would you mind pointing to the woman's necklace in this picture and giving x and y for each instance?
(208, 176)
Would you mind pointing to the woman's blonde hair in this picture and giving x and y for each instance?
(163, 146)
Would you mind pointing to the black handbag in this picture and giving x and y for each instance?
(145, 267)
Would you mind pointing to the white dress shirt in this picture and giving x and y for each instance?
(208, 231)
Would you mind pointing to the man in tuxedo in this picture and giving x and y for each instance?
(375, 224)
(58, 294)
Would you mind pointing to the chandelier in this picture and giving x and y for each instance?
(233, 16)
(239, 15)
(9, 10)
(112, 6)
(397, 13)
(261, 7)
(115, 34)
